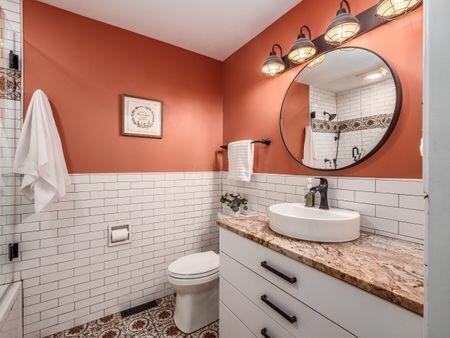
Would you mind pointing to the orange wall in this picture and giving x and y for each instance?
(252, 102)
(84, 65)
(296, 113)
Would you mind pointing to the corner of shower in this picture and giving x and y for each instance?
(10, 125)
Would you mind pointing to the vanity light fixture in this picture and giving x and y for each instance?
(343, 27)
(303, 48)
(390, 9)
(317, 61)
(274, 64)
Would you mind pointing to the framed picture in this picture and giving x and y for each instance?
(141, 117)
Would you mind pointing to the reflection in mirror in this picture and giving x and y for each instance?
(339, 111)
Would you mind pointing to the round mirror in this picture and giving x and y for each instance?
(340, 109)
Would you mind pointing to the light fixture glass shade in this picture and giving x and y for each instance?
(317, 61)
(274, 64)
(303, 48)
(389, 9)
(342, 28)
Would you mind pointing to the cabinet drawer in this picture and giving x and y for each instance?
(252, 316)
(297, 318)
(230, 326)
(331, 297)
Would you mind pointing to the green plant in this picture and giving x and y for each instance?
(234, 201)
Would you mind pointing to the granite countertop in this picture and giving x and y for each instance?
(389, 268)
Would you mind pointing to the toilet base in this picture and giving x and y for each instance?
(196, 306)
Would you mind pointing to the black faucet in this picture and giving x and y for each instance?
(322, 188)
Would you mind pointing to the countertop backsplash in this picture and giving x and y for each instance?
(389, 207)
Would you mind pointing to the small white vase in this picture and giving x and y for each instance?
(236, 213)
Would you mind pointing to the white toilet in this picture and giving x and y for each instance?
(195, 278)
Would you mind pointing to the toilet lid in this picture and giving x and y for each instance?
(195, 265)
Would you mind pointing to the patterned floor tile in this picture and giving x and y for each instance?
(157, 322)
(211, 331)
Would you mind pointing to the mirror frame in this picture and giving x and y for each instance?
(387, 134)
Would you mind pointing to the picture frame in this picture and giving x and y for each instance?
(142, 117)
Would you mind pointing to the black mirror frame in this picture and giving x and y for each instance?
(390, 129)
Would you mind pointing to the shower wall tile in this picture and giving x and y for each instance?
(368, 107)
(10, 123)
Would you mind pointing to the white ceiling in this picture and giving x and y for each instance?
(343, 69)
(215, 28)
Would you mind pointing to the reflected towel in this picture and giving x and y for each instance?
(309, 149)
(240, 160)
(39, 155)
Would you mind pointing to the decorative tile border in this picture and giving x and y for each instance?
(364, 123)
(10, 84)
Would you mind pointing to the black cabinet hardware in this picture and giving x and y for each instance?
(266, 266)
(290, 319)
(264, 333)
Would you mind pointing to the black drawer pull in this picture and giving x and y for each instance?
(291, 280)
(264, 333)
(290, 319)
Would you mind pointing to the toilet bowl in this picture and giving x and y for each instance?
(195, 279)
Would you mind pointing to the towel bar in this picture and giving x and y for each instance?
(265, 141)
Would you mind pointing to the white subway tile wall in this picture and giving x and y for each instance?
(320, 101)
(70, 274)
(390, 207)
(10, 122)
(373, 99)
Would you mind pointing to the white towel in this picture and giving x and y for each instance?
(240, 160)
(39, 155)
(309, 149)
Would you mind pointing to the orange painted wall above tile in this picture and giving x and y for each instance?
(252, 102)
(84, 66)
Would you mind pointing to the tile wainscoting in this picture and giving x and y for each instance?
(390, 207)
(70, 276)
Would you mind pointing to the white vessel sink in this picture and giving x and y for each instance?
(312, 224)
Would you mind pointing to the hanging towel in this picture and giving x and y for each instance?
(309, 149)
(39, 155)
(240, 160)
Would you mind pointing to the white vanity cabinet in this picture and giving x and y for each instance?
(266, 294)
